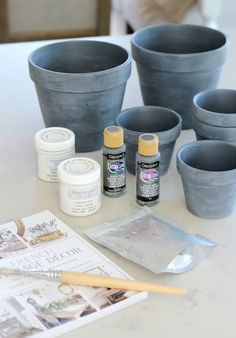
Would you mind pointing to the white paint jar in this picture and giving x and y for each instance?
(53, 145)
(80, 186)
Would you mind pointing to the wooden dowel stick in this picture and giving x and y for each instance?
(85, 279)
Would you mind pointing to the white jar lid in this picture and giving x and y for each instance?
(79, 170)
(54, 139)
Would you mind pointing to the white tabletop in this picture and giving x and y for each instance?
(209, 308)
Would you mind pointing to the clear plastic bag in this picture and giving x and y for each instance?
(148, 240)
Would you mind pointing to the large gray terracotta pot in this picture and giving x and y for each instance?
(80, 86)
(216, 107)
(208, 173)
(176, 61)
(163, 122)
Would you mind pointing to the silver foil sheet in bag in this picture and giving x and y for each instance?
(151, 241)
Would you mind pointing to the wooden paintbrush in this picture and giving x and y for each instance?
(86, 279)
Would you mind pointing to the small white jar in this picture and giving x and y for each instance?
(53, 145)
(80, 186)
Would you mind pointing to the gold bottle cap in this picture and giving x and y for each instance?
(148, 144)
(113, 137)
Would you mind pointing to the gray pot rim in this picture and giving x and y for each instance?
(78, 74)
(166, 136)
(222, 177)
(179, 57)
(209, 131)
(210, 114)
(48, 78)
(213, 126)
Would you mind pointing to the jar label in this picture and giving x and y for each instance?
(147, 181)
(48, 164)
(80, 200)
(114, 172)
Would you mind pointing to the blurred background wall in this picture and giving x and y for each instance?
(22, 20)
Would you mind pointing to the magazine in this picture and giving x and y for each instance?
(31, 307)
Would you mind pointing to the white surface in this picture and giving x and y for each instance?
(209, 308)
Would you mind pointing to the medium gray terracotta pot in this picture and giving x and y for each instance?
(80, 86)
(216, 107)
(163, 122)
(176, 61)
(208, 173)
(205, 131)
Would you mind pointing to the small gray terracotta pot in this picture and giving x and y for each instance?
(205, 131)
(176, 61)
(216, 107)
(163, 122)
(80, 86)
(208, 173)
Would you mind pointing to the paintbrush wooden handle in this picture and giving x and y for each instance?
(86, 279)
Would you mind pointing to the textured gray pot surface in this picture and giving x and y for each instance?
(208, 173)
(208, 132)
(216, 107)
(163, 122)
(176, 61)
(80, 86)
